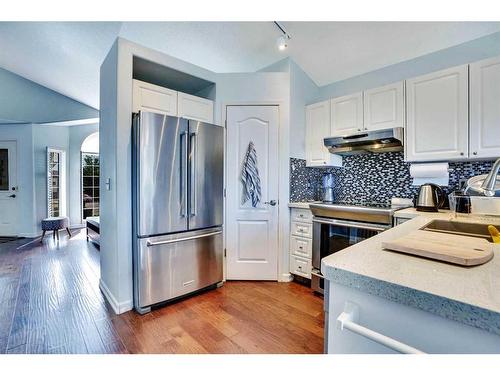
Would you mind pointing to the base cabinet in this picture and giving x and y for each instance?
(419, 329)
(301, 242)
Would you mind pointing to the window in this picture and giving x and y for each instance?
(56, 182)
(4, 169)
(90, 184)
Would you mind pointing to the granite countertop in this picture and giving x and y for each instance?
(301, 204)
(470, 295)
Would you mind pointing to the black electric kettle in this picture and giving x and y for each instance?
(430, 198)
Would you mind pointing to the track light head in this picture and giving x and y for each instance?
(282, 43)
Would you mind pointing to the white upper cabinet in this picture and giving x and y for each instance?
(158, 99)
(195, 108)
(318, 128)
(384, 107)
(437, 115)
(153, 98)
(485, 108)
(346, 114)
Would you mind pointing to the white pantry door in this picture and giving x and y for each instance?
(252, 232)
(8, 188)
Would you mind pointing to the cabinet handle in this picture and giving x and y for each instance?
(462, 154)
(359, 129)
(301, 248)
(474, 153)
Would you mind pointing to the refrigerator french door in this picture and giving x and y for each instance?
(178, 207)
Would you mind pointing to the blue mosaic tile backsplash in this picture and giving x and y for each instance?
(371, 178)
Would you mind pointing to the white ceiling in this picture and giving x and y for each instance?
(66, 56)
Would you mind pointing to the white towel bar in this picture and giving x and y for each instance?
(347, 320)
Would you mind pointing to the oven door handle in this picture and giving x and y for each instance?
(349, 224)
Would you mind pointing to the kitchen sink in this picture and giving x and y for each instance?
(459, 228)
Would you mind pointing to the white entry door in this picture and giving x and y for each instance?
(252, 232)
(8, 188)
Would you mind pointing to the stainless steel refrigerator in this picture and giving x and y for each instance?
(177, 207)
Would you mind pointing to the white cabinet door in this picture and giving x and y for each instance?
(347, 114)
(195, 108)
(317, 129)
(485, 108)
(437, 111)
(384, 107)
(153, 98)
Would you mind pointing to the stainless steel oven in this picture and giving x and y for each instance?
(331, 234)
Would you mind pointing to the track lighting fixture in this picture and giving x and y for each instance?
(282, 41)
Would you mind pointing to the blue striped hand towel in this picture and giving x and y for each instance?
(250, 177)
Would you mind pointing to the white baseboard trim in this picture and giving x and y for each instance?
(285, 278)
(39, 234)
(118, 307)
(30, 235)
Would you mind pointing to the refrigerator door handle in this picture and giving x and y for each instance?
(193, 203)
(150, 243)
(184, 167)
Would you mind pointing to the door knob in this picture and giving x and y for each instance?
(271, 202)
(12, 196)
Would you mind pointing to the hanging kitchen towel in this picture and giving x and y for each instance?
(250, 176)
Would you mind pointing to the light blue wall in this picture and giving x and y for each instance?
(32, 142)
(468, 52)
(281, 66)
(22, 100)
(302, 91)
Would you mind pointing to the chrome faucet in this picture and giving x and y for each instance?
(488, 187)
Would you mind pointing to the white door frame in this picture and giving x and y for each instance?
(16, 186)
(63, 193)
(283, 183)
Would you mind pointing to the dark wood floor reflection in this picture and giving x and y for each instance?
(50, 302)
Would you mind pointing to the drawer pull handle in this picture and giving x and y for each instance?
(347, 320)
(301, 248)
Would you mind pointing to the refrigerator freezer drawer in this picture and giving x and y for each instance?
(171, 266)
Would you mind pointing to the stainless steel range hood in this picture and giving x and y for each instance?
(386, 140)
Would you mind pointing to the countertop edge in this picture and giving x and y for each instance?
(461, 312)
(304, 205)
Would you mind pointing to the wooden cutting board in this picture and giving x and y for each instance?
(463, 250)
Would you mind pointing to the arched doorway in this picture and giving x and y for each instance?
(90, 176)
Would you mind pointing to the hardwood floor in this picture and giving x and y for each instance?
(50, 302)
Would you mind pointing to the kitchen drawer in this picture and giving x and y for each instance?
(300, 266)
(301, 229)
(301, 246)
(304, 215)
